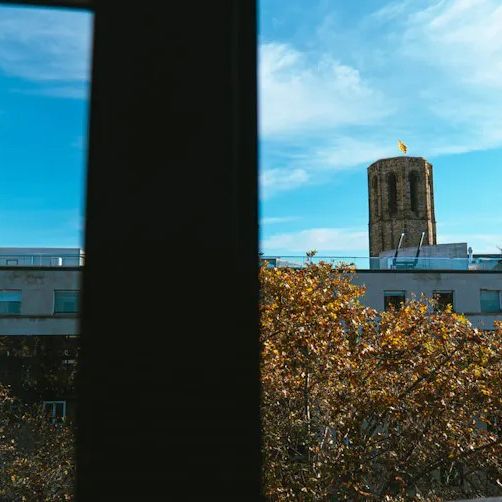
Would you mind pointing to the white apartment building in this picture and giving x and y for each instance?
(40, 291)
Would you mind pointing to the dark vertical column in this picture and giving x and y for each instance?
(169, 387)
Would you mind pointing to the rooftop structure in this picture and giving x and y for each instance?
(407, 261)
(41, 257)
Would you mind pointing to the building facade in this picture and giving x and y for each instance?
(39, 325)
(39, 300)
(476, 294)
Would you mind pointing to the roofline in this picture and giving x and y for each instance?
(398, 157)
(61, 268)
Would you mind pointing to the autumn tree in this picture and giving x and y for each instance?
(36, 366)
(366, 405)
(36, 457)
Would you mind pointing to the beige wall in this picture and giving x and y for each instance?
(466, 287)
(37, 302)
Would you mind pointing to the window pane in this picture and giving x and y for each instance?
(10, 307)
(66, 301)
(10, 302)
(490, 300)
(10, 296)
(394, 299)
(59, 410)
(443, 299)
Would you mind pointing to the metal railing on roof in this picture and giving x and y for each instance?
(42, 260)
(390, 262)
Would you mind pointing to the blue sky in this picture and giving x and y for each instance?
(44, 89)
(340, 82)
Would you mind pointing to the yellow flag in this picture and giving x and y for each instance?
(402, 146)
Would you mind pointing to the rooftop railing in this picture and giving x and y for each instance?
(42, 260)
(391, 263)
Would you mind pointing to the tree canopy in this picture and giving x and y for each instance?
(366, 405)
(36, 457)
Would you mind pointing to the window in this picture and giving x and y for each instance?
(490, 300)
(66, 302)
(443, 299)
(392, 193)
(55, 411)
(374, 184)
(10, 301)
(413, 180)
(394, 299)
(11, 262)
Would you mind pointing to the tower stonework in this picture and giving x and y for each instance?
(401, 199)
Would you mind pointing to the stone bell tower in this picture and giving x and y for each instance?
(401, 200)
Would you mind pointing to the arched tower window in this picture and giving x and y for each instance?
(374, 189)
(413, 181)
(392, 193)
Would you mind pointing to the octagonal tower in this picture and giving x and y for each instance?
(401, 200)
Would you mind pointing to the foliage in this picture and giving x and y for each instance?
(36, 457)
(362, 405)
(37, 366)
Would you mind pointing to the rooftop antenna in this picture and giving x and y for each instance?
(397, 250)
(420, 245)
(399, 244)
(418, 249)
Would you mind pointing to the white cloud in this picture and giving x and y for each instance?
(273, 220)
(393, 11)
(334, 240)
(45, 44)
(71, 92)
(346, 152)
(280, 179)
(298, 94)
(319, 161)
(457, 44)
(459, 36)
(75, 91)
